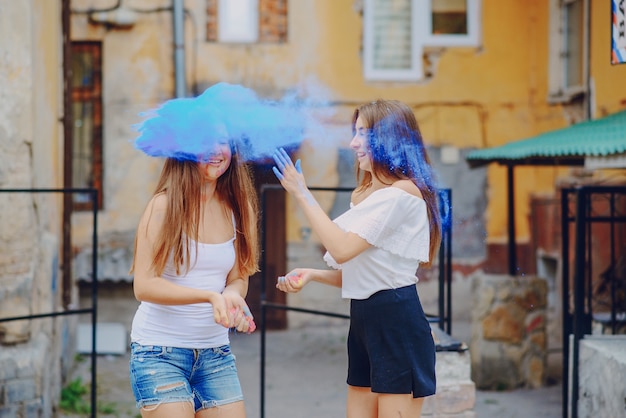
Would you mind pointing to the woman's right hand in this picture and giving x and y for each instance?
(294, 281)
(220, 310)
(289, 175)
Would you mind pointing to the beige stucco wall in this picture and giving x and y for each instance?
(136, 75)
(34, 355)
(30, 139)
(47, 106)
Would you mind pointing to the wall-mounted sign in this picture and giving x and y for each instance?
(618, 43)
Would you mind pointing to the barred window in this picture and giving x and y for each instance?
(567, 50)
(85, 155)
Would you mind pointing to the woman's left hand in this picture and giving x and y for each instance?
(239, 315)
(290, 175)
(294, 281)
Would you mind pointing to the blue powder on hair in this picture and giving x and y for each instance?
(189, 128)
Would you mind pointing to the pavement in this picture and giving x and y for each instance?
(304, 377)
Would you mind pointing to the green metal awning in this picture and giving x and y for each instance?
(594, 143)
(599, 139)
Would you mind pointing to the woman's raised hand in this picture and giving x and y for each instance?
(290, 175)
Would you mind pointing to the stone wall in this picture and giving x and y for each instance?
(508, 344)
(33, 353)
(456, 393)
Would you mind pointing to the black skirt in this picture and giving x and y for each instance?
(390, 345)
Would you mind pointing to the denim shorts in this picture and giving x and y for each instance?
(205, 377)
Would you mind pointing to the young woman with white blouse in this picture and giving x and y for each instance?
(375, 249)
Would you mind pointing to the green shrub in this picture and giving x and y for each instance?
(72, 397)
(72, 400)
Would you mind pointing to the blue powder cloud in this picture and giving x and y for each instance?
(188, 128)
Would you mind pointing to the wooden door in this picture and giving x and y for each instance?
(273, 247)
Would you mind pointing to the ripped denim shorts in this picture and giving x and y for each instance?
(205, 377)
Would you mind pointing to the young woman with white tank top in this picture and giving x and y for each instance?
(195, 248)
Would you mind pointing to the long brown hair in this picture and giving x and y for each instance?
(398, 152)
(181, 182)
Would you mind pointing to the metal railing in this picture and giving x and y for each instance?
(445, 277)
(580, 207)
(94, 284)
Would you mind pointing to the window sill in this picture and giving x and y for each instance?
(571, 95)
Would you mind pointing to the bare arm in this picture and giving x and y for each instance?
(236, 284)
(329, 277)
(341, 245)
(296, 279)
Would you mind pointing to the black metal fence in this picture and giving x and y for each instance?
(585, 208)
(94, 284)
(444, 318)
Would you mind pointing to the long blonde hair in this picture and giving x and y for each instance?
(398, 152)
(181, 181)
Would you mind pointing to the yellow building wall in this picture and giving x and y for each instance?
(474, 97)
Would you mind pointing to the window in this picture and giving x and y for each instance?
(391, 47)
(395, 32)
(246, 21)
(85, 155)
(239, 21)
(452, 22)
(568, 71)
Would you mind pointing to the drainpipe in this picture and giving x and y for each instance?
(179, 48)
(511, 215)
(66, 254)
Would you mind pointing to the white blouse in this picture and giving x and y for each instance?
(396, 224)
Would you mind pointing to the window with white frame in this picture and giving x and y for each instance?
(391, 48)
(452, 22)
(395, 32)
(568, 49)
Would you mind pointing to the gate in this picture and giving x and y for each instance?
(593, 281)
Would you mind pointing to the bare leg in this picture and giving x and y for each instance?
(231, 410)
(399, 406)
(168, 410)
(361, 403)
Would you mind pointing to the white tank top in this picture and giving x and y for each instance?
(188, 326)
